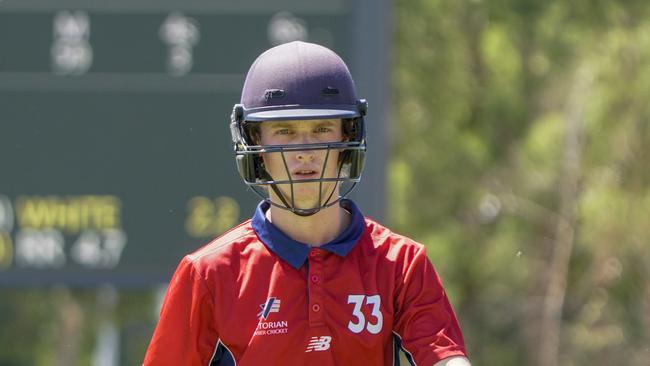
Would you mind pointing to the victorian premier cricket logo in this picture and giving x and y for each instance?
(264, 327)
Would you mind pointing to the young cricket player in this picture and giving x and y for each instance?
(308, 280)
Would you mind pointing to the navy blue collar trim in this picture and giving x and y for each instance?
(295, 252)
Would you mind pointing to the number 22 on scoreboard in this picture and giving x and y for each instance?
(373, 325)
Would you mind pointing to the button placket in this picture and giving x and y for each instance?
(314, 282)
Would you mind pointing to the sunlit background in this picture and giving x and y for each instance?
(508, 136)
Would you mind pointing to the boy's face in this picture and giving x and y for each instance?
(302, 165)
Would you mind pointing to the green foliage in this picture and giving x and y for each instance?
(485, 91)
(59, 326)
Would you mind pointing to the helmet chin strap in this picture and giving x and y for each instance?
(289, 207)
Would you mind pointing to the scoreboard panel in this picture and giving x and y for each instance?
(115, 153)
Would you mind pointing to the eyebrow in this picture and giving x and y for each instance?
(280, 125)
(326, 123)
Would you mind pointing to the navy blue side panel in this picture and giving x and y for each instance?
(222, 357)
(398, 348)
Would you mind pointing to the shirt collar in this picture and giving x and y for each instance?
(295, 252)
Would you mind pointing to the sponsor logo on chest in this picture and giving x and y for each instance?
(270, 327)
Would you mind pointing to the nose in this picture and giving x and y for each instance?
(305, 155)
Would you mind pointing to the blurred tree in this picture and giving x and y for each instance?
(59, 326)
(486, 92)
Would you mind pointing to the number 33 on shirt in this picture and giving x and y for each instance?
(373, 325)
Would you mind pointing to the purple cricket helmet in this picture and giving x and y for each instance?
(298, 81)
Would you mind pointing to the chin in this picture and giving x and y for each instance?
(306, 201)
(307, 193)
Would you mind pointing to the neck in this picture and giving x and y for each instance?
(315, 230)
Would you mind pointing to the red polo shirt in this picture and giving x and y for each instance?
(256, 297)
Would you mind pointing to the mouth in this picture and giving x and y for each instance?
(305, 173)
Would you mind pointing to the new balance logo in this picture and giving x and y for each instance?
(319, 344)
(272, 305)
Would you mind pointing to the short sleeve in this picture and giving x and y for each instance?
(425, 322)
(186, 333)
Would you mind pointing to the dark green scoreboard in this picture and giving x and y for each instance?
(115, 153)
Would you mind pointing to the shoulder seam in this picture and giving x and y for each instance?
(198, 254)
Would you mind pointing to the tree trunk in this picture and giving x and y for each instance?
(70, 328)
(551, 317)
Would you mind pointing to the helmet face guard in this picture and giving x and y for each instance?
(250, 164)
(299, 81)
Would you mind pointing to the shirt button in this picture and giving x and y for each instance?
(315, 253)
(315, 308)
(315, 278)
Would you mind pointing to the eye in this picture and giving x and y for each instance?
(283, 131)
(323, 129)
